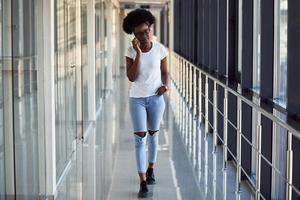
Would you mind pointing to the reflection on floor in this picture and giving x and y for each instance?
(125, 180)
(90, 171)
(106, 159)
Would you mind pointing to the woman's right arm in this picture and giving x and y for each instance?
(132, 67)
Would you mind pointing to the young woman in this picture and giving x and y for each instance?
(146, 65)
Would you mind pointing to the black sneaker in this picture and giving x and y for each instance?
(143, 190)
(150, 176)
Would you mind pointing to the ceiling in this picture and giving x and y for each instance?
(151, 3)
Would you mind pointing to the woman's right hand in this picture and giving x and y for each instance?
(136, 45)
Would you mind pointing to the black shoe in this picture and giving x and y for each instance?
(150, 176)
(143, 190)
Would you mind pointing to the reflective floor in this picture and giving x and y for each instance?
(106, 158)
(88, 175)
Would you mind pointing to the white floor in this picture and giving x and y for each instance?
(106, 158)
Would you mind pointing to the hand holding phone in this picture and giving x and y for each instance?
(136, 45)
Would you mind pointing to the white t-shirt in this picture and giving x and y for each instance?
(149, 77)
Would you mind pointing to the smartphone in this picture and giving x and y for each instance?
(139, 44)
(136, 39)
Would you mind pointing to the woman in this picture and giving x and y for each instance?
(146, 65)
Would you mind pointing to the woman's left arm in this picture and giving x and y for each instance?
(164, 76)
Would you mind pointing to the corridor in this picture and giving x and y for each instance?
(228, 71)
(108, 151)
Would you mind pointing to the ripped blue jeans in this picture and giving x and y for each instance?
(146, 115)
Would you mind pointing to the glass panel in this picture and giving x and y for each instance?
(279, 159)
(65, 81)
(84, 66)
(282, 38)
(256, 45)
(114, 41)
(60, 89)
(2, 164)
(71, 74)
(25, 99)
(256, 78)
(280, 96)
(100, 51)
(104, 57)
(256, 120)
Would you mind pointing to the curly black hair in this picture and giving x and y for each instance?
(136, 18)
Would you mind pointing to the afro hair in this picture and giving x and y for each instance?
(136, 18)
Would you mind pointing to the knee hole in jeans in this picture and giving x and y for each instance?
(152, 132)
(140, 134)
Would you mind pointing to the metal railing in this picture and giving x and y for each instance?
(187, 95)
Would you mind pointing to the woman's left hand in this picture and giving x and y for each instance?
(161, 90)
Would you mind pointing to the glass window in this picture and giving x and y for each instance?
(99, 26)
(280, 95)
(84, 65)
(65, 81)
(61, 157)
(256, 120)
(279, 159)
(281, 38)
(26, 145)
(256, 45)
(2, 169)
(256, 78)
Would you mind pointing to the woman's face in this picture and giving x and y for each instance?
(143, 33)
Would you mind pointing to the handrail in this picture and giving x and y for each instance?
(182, 80)
(279, 121)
